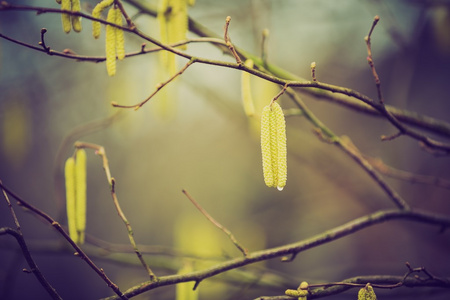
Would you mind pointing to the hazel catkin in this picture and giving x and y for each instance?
(273, 146)
(76, 20)
(110, 43)
(96, 13)
(80, 194)
(65, 18)
(120, 40)
(69, 175)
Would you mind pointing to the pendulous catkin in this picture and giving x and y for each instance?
(120, 40)
(273, 146)
(110, 43)
(69, 174)
(76, 20)
(96, 13)
(65, 18)
(80, 194)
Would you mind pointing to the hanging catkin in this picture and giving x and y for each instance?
(65, 18)
(69, 174)
(273, 146)
(110, 43)
(76, 20)
(96, 13)
(120, 40)
(80, 194)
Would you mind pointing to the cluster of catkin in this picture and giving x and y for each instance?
(75, 176)
(114, 41)
(70, 21)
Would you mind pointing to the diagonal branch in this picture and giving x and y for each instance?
(112, 182)
(294, 248)
(57, 226)
(217, 224)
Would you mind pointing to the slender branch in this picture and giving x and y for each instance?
(370, 60)
(379, 281)
(320, 239)
(18, 235)
(33, 267)
(407, 176)
(159, 86)
(345, 145)
(57, 226)
(101, 152)
(217, 224)
(228, 42)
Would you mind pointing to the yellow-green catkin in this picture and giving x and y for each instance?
(80, 194)
(120, 39)
(110, 43)
(367, 293)
(247, 100)
(173, 26)
(96, 13)
(65, 18)
(273, 146)
(69, 174)
(76, 20)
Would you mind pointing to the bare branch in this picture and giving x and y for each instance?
(217, 224)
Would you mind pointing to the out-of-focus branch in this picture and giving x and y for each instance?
(294, 248)
(57, 226)
(100, 151)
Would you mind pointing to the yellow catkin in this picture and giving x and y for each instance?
(76, 20)
(247, 100)
(65, 18)
(120, 40)
(80, 194)
(69, 174)
(110, 44)
(191, 2)
(178, 22)
(173, 25)
(96, 13)
(367, 293)
(273, 146)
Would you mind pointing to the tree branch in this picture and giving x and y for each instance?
(57, 226)
(294, 248)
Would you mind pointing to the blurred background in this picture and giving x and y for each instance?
(207, 146)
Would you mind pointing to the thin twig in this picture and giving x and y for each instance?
(159, 86)
(407, 176)
(58, 227)
(350, 149)
(228, 42)
(101, 152)
(217, 224)
(18, 235)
